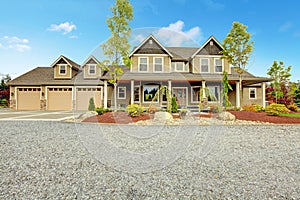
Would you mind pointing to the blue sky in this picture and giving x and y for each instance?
(35, 32)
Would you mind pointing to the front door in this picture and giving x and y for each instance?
(180, 94)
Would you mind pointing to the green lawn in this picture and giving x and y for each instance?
(291, 115)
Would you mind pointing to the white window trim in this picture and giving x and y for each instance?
(89, 69)
(192, 101)
(254, 89)
(140, 63)
(124, 88)
(207, 63)
(144, 94)
(138, 86)
(222, 60)
(162, 65)
(60, 65)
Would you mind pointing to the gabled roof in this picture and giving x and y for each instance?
(91, 57)
(68, 61)
(209, 39)
(145, 41)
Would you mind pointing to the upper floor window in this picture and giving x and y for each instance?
(218, 65)
(179, 67)
(252, 93)
(158, 64)
(92, 69)
(204, 65)
(143, 64)
(62, 69)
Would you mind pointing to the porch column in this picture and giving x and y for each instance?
(170, 86)
(263, 88)
(132, 92)
(203, 89)
(105, 94)
(237, 100)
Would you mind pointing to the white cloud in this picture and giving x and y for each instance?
(16, 43)
(174, 35)
(66, 27)
(284, 27)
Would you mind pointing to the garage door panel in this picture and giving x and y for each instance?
(83, 96)
(28, 99)
(60, 99)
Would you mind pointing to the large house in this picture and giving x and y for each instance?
(185, 71)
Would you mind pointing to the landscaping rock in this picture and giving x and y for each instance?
(162, 117)
(226, 116)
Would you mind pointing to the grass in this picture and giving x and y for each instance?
(291, 115)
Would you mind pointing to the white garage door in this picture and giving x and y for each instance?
(59, 99)
(28, 98)
(83, 96)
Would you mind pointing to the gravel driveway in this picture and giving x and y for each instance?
(58, 160)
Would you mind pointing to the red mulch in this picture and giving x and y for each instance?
(263, 117)
(123, 118)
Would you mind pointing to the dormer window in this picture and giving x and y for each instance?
(92, 69)
(218, 65)
(62, 69)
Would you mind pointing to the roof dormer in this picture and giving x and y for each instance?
(64, 68)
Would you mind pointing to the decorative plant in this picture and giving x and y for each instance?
(134, 110)
(91, 104)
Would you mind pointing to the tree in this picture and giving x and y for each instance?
(280, 89)
(117, 47)
(226, 88)
(238, 48)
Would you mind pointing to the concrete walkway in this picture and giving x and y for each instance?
(38, 115)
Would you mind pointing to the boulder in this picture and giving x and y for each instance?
(226, 116)
(162, 117)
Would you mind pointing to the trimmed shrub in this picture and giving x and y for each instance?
(174, 105)
(134, 110)
(293, 107)
(101, 110)
(91, 104)
(253, 108)
(276, 109)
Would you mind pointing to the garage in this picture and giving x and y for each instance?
(28, 98)
(83, 96)
(59, 99)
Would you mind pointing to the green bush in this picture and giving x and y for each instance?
(134, 110)
(276, 109)
(174, 105)
(91, 104)
(101, 110)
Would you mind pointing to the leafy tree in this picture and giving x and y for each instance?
(280, 88)
(117, 47)
(226, 88)
(238, 48)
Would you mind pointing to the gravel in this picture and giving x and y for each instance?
(58, 160)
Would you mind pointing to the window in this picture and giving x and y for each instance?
(121, 92)
(143, 64)
(218, 65)
(92, 69)
(196, 94)
(158, 64)
(252, 93)
(150, 93)
(214, 93)
(62, 69)
(137, 94)
(204, 66)
(179, 67)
